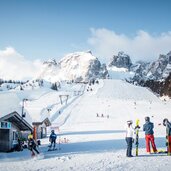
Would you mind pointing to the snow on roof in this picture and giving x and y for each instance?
(9, 103)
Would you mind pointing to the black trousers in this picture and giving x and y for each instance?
(53, 143)
(129, 146)
(34, 149)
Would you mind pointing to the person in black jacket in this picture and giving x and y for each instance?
(32, 146)
(149, 135)
(167, 124)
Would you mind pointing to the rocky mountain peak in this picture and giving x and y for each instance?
(50, 62)
(157, 69)
(121, 60)
(78, 66)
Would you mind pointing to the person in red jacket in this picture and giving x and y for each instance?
(149, 135)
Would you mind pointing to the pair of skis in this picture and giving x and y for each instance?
(137, 127)
(53, 149)
(168, 145)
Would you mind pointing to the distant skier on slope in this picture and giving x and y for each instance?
(167, 124)
(129, 138)
(149, 135)
(52, 140)
(32, 145)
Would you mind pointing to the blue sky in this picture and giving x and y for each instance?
(51, 28)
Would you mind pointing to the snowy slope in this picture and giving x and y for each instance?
(119, 73)
(96, 143)
(121, 101)
(49, 104)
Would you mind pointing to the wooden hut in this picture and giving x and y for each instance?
(11, 126)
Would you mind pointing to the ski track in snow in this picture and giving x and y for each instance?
(96, 143)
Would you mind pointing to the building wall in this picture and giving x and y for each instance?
(41, 131)
(8, 138)
(14, 133)
(4, 140)
(24, 134)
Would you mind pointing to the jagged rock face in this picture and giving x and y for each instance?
(157, 68)
(140, 68)
(121, 60)
(50, 62)
(167, 86)
(156, 75)
(79, 66)
(160, 87)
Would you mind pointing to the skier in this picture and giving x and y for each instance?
(129, 138)
(32, 145)
(52, 139)
(167, 124)
(149, 135)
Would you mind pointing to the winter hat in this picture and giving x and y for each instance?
(129, 122)
(164, 121)
(147, 118)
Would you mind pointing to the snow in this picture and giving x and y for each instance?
(8, 86)
(119, 73)
(13, 101)
(93, 143)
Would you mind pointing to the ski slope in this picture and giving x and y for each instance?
(120, 100)
(96, 143)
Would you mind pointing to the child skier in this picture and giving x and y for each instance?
(167, 124)
(129, 138)
(32, 145)
(52, 139)
(149, 135)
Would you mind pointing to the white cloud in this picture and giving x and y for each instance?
(142, 46)
(15, 66)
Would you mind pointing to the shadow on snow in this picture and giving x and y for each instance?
(93, 132)
(100, 146)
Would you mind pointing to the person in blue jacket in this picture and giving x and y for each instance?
(52, 139)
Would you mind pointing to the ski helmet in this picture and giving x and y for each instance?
(147, 118)
(164, 121)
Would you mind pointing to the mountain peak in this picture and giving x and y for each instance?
(77, 66)
(50, 62)
(122, 60)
